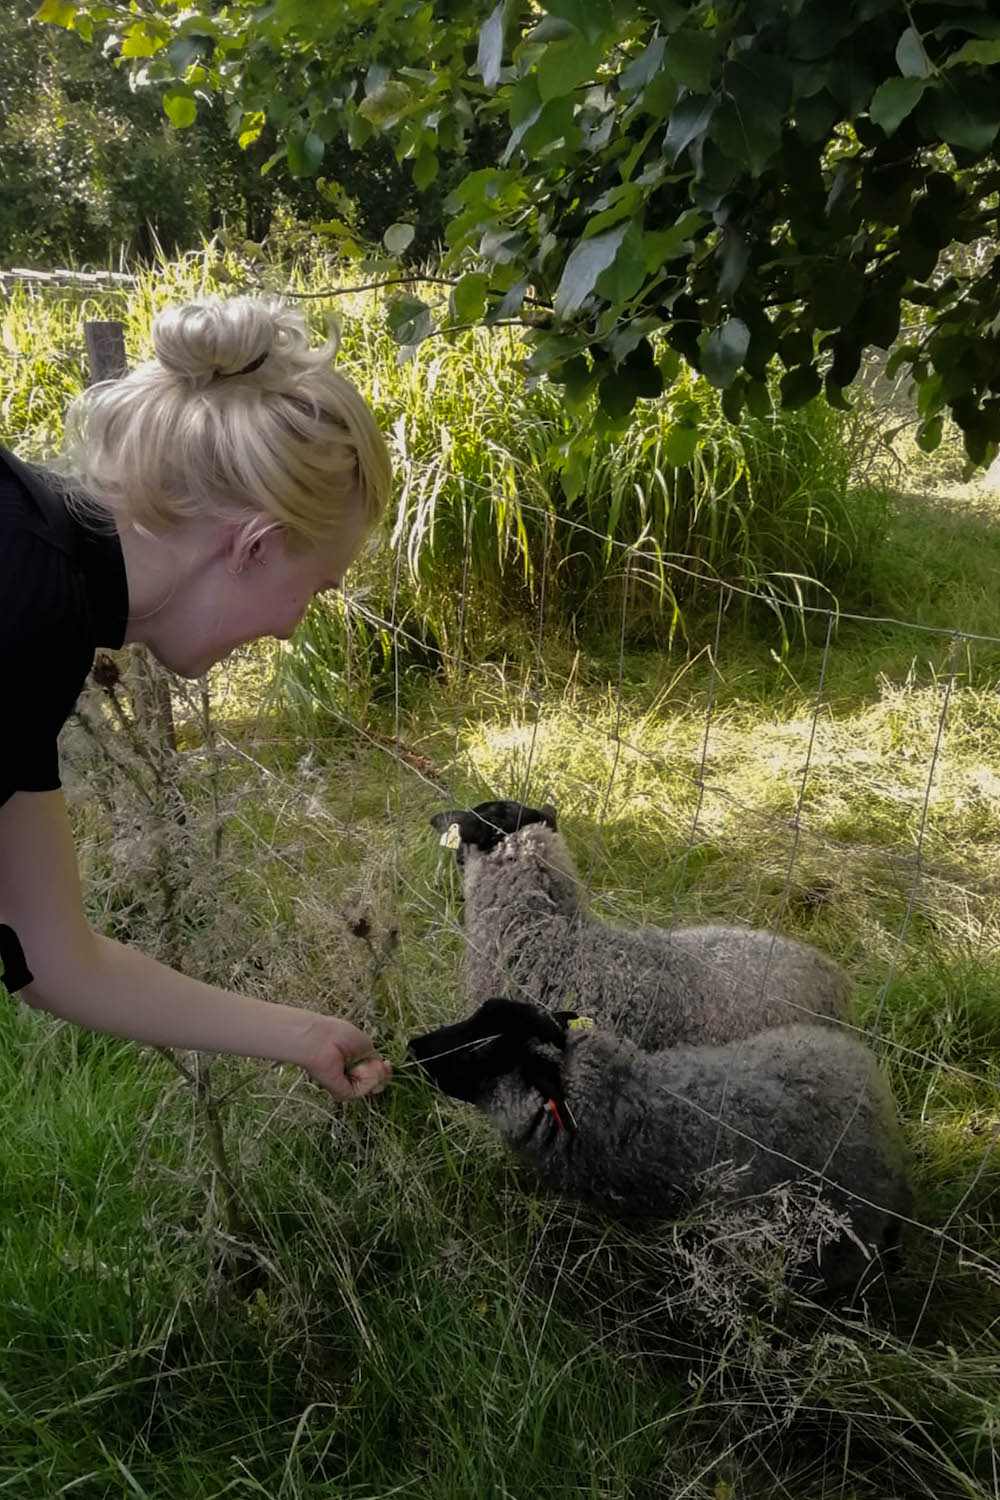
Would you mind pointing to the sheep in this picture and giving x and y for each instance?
(528, 933)
(645, 1134)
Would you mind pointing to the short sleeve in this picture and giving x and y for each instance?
(45, 655)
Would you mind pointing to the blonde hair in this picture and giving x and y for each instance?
(234, 417)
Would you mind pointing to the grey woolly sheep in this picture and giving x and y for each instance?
(528, 934)
(637, 1132)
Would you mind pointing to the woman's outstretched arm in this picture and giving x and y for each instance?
(106, 985)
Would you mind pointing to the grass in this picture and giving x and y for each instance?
(406, 1311)
(787, 504)
(402, 1310)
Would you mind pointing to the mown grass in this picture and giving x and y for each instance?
(401, 1309)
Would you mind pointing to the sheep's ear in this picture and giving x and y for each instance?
(463, 826)
(547, 814)
(512, 816)
(485, 826)
(544, 1076)
(521, 1022)
(482, 827)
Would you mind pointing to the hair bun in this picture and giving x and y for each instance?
(217, 337)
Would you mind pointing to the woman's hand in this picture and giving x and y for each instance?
(94, 981)
(343, 1060)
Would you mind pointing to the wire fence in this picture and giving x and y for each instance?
(539, 690)
(535, 692)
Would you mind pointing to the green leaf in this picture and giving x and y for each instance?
(799, 386)
(592, 18)
(669, 363)
(512, 301)
(398, 237)
(642, 372)
(642, 69)
(659, 96)
(540, 126)
(584, 264)
(662, 245)
(758, 399)
(57, 13)
(550, 30)
(251, 130)
(835, 395)
(359, 130)
(408, 319)
(877, 319)
(723, 351)
(691, 58)
(687, 122)
(984, 53)
(918, 257)
(846, 360)
(617, 395)
(967, 20)
(575, 464)
(929, 434)
(679, 449)
(796, 348)
(751, 136)
(735, 258)
(137, 42)
(904, 354)
(305, 153)
(627, 272)
(894, 100)
(181, 53)
(816, 116)
(468, 297)
(966, 113)
(836, 295)
(732, 400)
(425, 168)
(618, 203)
(386, 103)
(180, 106)
(564, 65)
(910, 55)
(489, 55)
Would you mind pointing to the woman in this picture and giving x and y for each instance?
(227, 481)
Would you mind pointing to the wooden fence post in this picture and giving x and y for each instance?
(149, 686)
(105, 350)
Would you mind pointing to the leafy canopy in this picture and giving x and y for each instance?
(767, 181)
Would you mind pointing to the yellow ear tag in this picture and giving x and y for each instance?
(451, 838)
(581, 1023)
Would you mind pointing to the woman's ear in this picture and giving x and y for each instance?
(250, 544)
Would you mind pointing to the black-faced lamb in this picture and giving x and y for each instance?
(637, 1132)
(529, 935)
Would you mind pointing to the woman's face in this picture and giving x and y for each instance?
(258, 589)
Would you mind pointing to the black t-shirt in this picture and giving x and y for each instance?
(63, 593)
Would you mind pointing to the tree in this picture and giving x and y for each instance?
(773, 183)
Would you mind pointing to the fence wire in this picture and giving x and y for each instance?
(542, 685)
(912, 864)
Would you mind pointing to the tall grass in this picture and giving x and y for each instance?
(775, 504)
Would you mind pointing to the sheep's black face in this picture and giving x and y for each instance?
(487, 825)
(466, 1059)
